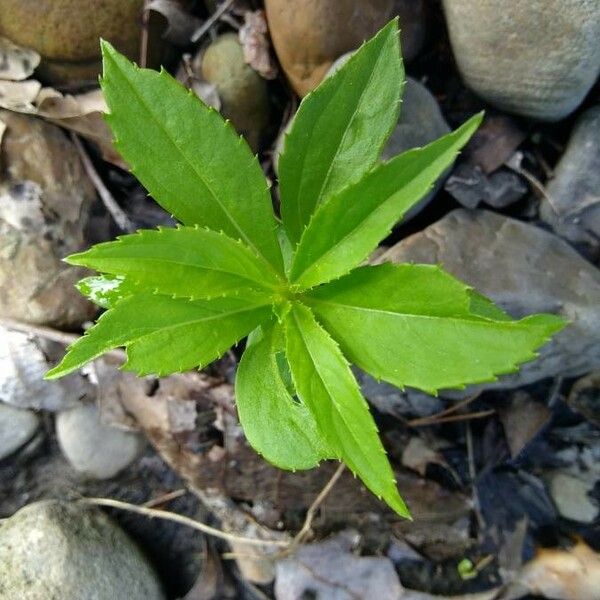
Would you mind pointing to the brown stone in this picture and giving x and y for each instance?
(242, 91)
(309, 35)
(67, 32)
(45, 197)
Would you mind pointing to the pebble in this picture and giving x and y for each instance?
(67, 32)
(17, 427)
(570, 494)
(538, 58)
(412, 21)
(572, 205)
(525, 270)
(309, 36)
(45, 199)
(51, 550)
(242, 91)
(93, 449)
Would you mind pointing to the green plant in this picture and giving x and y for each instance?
(178, 298)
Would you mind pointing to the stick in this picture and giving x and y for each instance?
(211, 20)
(182, 520)
(312, 509)
(115, 211)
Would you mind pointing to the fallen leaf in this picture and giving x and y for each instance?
(522, 420)
(558, 574)
(16, 63)
(257, 50)
(180, 23)
(418, 454)
(19, 95)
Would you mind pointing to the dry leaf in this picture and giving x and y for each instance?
(417, 455)
(257, 50)
(16, 63)
(572, 574)
(19, 95)
(180, 23)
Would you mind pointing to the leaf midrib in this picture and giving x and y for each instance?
(188, 161)
(331, 396)
(191, 265)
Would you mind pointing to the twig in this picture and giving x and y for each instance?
(144, 36)
(514, 163)
(54, 335)
(211, 20)
(182, 520)
(453, 418)
(165, 498)
(116, 212)
(314, 507)
(447, 411)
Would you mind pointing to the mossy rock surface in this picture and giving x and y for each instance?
(69, 30)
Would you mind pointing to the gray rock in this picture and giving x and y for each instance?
(412, 20)
(23, 362)
(470, 186)
(330, 570)
(16, 428)
(421, 120)
(525, 270)
(391, 400)
(45, 198)
(573, 207)
(537, 58)
(55, 551)
(92, 448)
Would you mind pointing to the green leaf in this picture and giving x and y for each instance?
(185, 262)
(348, 227)
(185, 154)
(406, 324)
(277, 426)
(326, 385)
(165, 335)
(106, 290)
(340, 129)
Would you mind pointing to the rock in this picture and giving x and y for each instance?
(16, 428)
(23, 363)
(421, 120)
(404, 404)
(243, 92)
(570, 494)
(537, 59)
(309, 36)
(50, 551)
(45, 198)
(66, 32)
(412, 20)
(572, 208)
(330, 570)
(525, 270)
(92, 448)
(470, 186)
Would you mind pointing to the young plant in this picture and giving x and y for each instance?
(178, 298)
